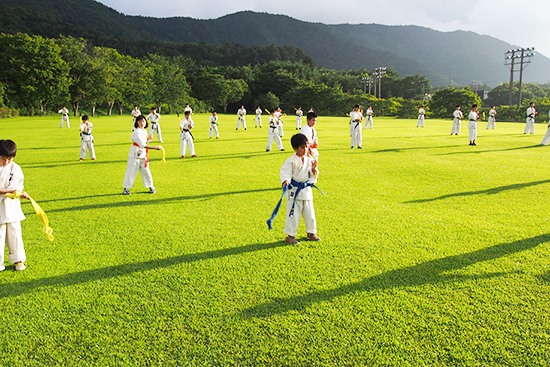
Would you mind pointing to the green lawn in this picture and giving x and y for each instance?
(434, 252)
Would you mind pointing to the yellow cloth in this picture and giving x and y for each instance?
(41, 215)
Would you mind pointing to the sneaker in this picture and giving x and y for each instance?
(20, 266)
(183, 156)
(474, 144)
(194, 156)
(291, 240)
(352, 147)
(359, 147)
(267, 150)
(152, 190)
(313, 237)
(282, 150)
(126, 192)
(2, 267)
(210, 138)
(80, 160)
(93, 159)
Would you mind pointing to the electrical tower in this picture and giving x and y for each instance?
(519, 57)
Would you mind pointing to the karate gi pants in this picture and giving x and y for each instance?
(274, 135)
(187, 141)
(473, 134)
(298, 122)
(281, 131)
(546, 138)
(136, 165)
(243, 120)
(213, 128)
(12, 236)
(303, 208)
(456, 126)
(63, 119)
(491, 123)
(356, 134)
(529, 126)
(369, 122)
(258, 121)
(420, 121)
(85, 146)
(154, 128)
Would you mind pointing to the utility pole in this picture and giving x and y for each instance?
(522, 58)
(476, 83)
(378, 73)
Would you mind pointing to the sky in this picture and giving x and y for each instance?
(520, 23)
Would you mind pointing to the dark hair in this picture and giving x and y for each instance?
(457, 106)
(311, 115)
(153, 108)
(139, 118)
(187, 113)
(85, 118)
(298, 140)
(8, 148)
(492, 106)
(356, 106)
(273, 110)
(474, 105)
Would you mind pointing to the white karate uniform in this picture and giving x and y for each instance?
(186, 137)
(368, 121)
(87, 140)
(299, 114)
(356, 129)
(258, 121)
(11, 215)
(273, 134)
(421, 114)
(188, 109)
(213, 126)
(135, 113)
(472, 125)
(294, 168)
(138, 161)
(312, 139)
(241, 119)
(492, 120)
(280, 128)
(546, 138)
(530, 121)
(64, 117)
(155, 126)
(457, 122)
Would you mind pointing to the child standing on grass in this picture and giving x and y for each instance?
(241, 114)
(472, 125)
(421, 115)
(355, 118)
(457, 121)
(492, 122)
(311, 134)
(87, 140)
(530, 121)
(64, 117)
(214, 125)
(11, 215)
(273, 132)
(186, 137)
(138, 158)
(368, 120)
(135, 113)
(154, 117)
(299, 173)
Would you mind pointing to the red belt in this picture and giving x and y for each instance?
(313, 146)
(146, 154)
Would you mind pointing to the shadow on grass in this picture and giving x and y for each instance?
(492, 191)
(86, 276)
(430, 272)
(155, 201)
(494, 150)
(399, 150)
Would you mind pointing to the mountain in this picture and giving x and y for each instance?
(441, 56)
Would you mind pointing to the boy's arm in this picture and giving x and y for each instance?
(286, 172)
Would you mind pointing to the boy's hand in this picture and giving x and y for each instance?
(314, 165)
(24, 195)
(158, 147)
(285, 184)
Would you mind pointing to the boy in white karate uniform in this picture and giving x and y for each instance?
(186, 137)
(87, 140)
(64, 117)
(355, 127)
(457, 122)
(138, 158)
(421, 114)
(241, 113)
(11, 215)
(546, 138)
(273, 132)
(311, 134)
(279, 114)
(368, 120)
(492, 120)
(299, 114)
(214, 125)
(135, 113)
(300, 169)
(472, 124)
(258, 117)
(188, 109)
(154, 117)
(530, 121)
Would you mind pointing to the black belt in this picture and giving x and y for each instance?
(192, 137)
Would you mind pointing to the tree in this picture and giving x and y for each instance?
(444, 101)
(236, 88)
(268, 101)
(168, 83)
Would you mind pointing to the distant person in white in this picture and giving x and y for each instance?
(530, 121)
(154, 117)
(492, 120)
(187, 108)
(273, 132)
(279, 114)
(258, 121)
(457, 122)
(86, 138)
(241, 113)
(546, 138)
(186, 137)
(299, 114)
(64, 116)
(309, 131)
(421, 114)
(135, 113)
(356, 127)
(214, 125)
(368, 120)
(472, 125)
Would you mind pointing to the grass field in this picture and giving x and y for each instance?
(434, 252)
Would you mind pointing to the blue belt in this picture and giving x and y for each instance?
(299, 186)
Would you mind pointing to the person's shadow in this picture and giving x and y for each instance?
(430, 272)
